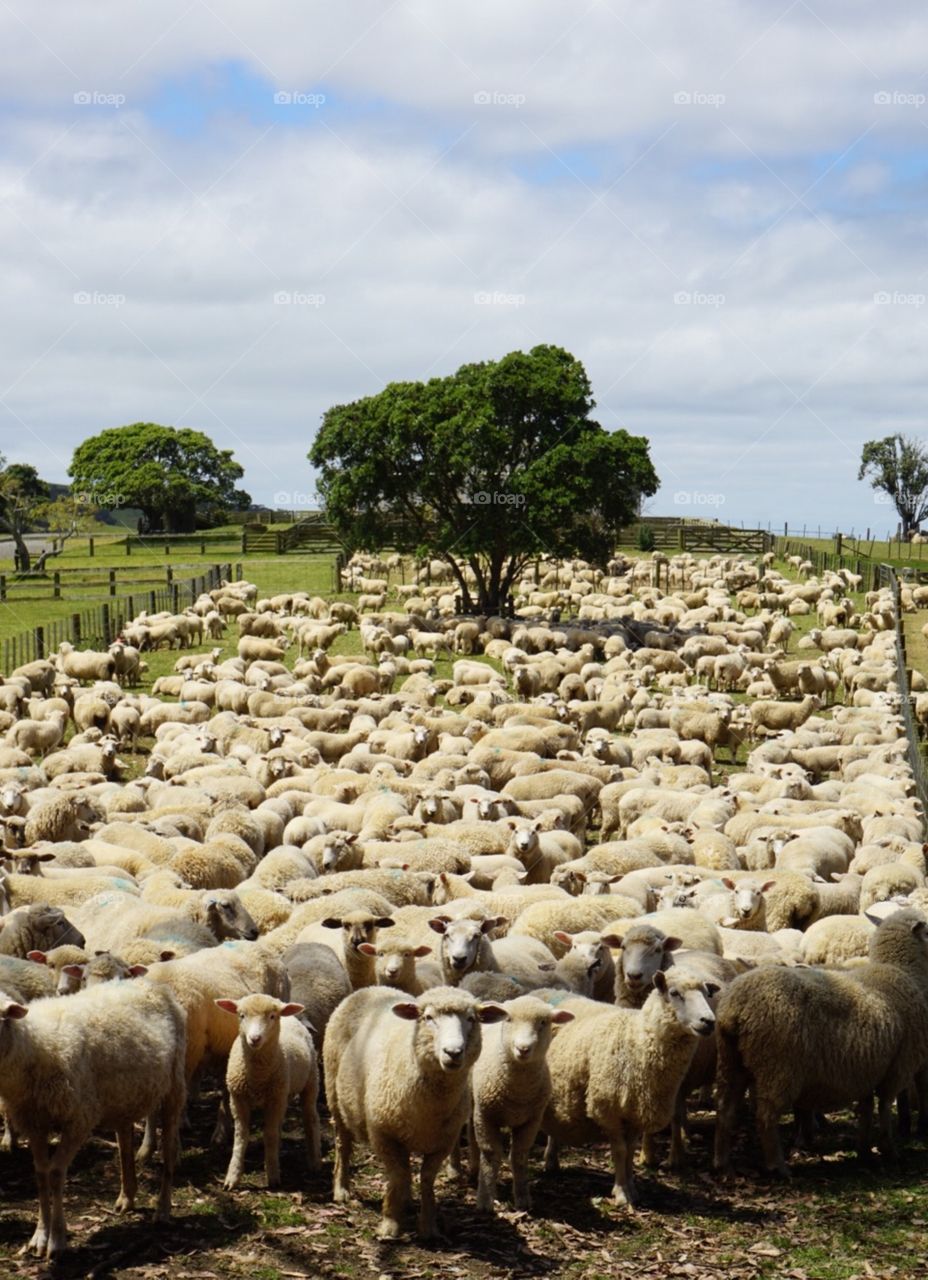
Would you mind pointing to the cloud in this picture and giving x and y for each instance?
(707, 205)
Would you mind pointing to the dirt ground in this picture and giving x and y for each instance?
(836, 1219)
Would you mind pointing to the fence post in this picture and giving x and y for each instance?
(168, 575)
(153, 601)
(3, 590)
(128, 544)
(112, 582)
(39, 635)
(90, 546)
(75, 629)
(56, 585)
(107, 633)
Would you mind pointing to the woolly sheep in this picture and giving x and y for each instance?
(270, 1062)
(397, 1074)
(71, 1066)
(510, 1088)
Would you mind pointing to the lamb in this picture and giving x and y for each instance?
(510, 1088)
(808, 1038)
(615, 1073)
(395, 963)
(71, 1067)
(397, 1074)
(357, 927)
(270, 1062)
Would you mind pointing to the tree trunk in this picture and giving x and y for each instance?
(23, 555)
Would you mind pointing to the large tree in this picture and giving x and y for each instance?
(21, 495)
(898, 465)
(484, 469)
(169, 473)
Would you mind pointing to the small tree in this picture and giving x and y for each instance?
(485, 469)
(898, 465)
(167, 472)
(21, 493)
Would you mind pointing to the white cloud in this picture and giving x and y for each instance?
(582, 212)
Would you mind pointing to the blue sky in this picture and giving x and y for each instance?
(231, 218)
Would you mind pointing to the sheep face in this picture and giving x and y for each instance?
(643, 955)
(460, 942)
(449, 1032)
(358, 927)
(688, 999)
(395, 963)
(527, 1034)
(336, 851)
(226, 916)
(592, 950)
(259, 1018)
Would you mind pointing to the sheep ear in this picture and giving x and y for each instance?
(729, 922)
(612, 940)
(138, 970)
(229, 1006)
(874, 919)
(422, 951)
(384, 922)
(918, 928)
(408, 1011)
(74, 970)
(728, 882)
(660, 982)
(563, 937)
(491, 1013)
(350, 839)
(167, 955)
(367, 949)
(562, 1016)
(289, 1010)
(672, 944)
(765, 888)
(14, 1010)
(438, 924)
(712, 988)
(37, 957)
(331, 922)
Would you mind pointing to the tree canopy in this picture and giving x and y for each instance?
(169, 473)
(485, 469)
(898, 465)
(21, 495)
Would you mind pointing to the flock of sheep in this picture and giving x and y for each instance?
(538, 897)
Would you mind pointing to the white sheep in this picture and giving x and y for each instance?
(270, 1062)
(397, 1074)
(510, 1088)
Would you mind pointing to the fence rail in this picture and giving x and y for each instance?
(65, 584)
(97, 627)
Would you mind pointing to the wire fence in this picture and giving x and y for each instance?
(889, 578)
(97, 627)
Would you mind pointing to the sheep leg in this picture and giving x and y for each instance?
(768, 1130)
(428, 1217)
(649, 1153)
(223, 1130)
(128, 1183)
(552, 1160)
(308, 1100)
(490, 1145)
(242, 1120)
(623, 1177)
(677, 1126)
(39, 1242)
(396, 1198)
(148, 1139)
(887, 1142)
(273, 1122)
(57, 1176)
(341, 1178)
(171, 1109)
(522, 1139)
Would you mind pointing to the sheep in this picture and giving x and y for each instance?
(543, 920)
(397, 1074)
(775, 717)
(270, 1062)
(39, 927)
(615, 1073)
(71, 1066)
(395, 963)
(465, 945)
(318, 981)
(85, 664)
(37, 736)
(357, 927)
(810, 1038)
(510, 1088)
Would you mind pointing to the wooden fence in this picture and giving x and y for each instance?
(97, 627)
(716, 539)
(87, 583)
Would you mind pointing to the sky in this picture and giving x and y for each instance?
(231, 216)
